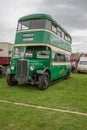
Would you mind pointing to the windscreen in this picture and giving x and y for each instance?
(18, 52)
(37, 52)
(30, 24)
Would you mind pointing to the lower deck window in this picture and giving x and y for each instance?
(29, 52)
(43, 54)
(57, 57)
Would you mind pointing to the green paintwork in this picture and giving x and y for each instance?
(58, 71)
(39, 64)
(43, 37)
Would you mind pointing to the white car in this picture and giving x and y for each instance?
(82, 65)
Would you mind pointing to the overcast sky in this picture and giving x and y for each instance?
(71, 14)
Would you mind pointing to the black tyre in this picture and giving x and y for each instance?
(43, 81)
(1, 73)
(68, 75)
(11, 80)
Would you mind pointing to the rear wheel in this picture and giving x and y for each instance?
(68, 74)
(11, 80)
(43, 81)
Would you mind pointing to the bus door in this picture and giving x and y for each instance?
(58, 68)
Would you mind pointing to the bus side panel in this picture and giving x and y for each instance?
(58, 71)
(41, 36)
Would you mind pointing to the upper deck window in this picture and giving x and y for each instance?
(23, 25)
(37, 23)
(63, 34)
(30, 24)
(59, 31)
(54, 28)
(67, 38)
(48, 24)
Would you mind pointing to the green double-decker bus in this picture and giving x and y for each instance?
(41, 52)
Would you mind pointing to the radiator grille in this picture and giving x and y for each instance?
(22, 70)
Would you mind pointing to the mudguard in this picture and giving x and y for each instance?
(42, 71)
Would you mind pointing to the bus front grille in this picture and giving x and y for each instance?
(22, 70)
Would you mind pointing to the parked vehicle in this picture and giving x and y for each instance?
(82, 65)
(5, 55)
(1, 71)
(41, 52)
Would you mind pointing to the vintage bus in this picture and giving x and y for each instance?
(41, 52)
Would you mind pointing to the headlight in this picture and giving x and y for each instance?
(32, 68)
(12, 67)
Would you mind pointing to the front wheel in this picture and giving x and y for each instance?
(43, 81)
(11, 80)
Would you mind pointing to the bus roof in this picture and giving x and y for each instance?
(42, 16)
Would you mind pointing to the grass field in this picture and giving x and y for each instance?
(68, 94)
